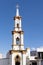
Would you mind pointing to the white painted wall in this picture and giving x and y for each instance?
(17, 21)
(40, 49)
(14, 56)
(28, 52)
(22, 39)
(15, 46)
(24, 59)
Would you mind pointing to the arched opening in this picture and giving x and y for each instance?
(17, 40)
(17, 60)
(17, 25)
(17, 63)
(34, 63)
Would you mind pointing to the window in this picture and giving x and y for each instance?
(33, 53)
(17, 25)
(17, 56)
(42, 55)
(17, 40)
(38, 54)
(34, 63)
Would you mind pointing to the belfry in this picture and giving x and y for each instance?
(17, 42)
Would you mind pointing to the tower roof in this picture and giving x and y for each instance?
(17, 13)
(17, 10)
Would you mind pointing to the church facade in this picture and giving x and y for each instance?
(19, 55)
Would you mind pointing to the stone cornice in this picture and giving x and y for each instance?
(17, 44)
(21, 32)
(17, 17)
(13, 51)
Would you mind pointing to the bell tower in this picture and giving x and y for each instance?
(17, 33)
(18, 54)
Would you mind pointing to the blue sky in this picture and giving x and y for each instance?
(32, 23)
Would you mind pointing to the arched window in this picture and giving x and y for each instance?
(17, 60)
(17, 40)
(17, 57)
(17, 25)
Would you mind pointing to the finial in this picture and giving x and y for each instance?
(17, 6)
(17, 10)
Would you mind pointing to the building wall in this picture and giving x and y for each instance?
(18, 22)
(13, 56)
(42, 62)
(4, 61)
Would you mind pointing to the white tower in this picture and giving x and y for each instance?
(18, 40)
(18, 54)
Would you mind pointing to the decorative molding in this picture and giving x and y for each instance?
(17, 17)
(13, 51)
(21, 44)
(24, 52)
(17, 44)
(21, 32)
